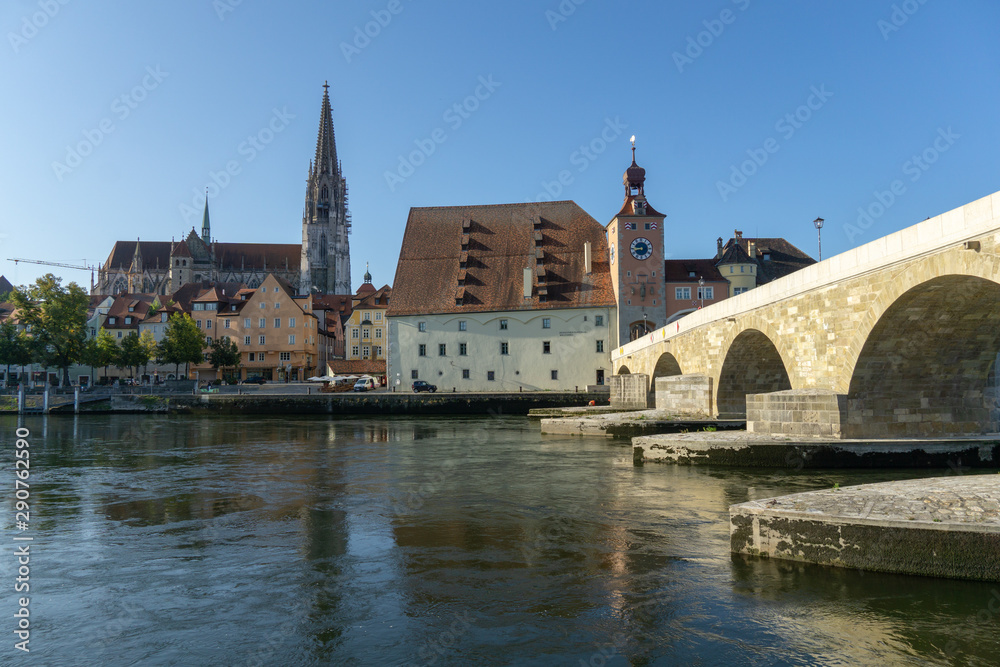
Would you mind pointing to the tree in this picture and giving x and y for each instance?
(15, 348)
(148, 344)
(132, 354)
(107, 350)
(224, 353)
(182, 342)
(56, 316)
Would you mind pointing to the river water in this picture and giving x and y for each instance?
(299, 541)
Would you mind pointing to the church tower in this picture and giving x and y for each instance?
(326, 223)
(635, 246)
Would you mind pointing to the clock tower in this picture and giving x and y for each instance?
(635, 246)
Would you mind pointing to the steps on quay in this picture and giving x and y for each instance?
(941, 527)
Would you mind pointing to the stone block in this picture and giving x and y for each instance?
(630, 392)
(685, 395)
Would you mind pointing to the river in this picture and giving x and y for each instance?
(169, 540)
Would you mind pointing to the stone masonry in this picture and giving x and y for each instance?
(906, 328)
(796, 412)
(630, 392)
(685, 395)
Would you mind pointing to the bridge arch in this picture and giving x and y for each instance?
(927, 365)
(666, 365)
(752, 365)
(623, 370)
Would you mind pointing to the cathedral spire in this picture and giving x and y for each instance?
(206, 227)
(326, 144)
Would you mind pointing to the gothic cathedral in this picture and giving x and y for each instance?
(321, 264)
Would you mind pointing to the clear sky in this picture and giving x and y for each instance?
(749, 115)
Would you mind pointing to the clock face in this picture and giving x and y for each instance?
(641, 248)
(612, 251)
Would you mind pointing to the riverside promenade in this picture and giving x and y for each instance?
(942, 527)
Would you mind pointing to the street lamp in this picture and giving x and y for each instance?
(819, 236)
(701, 291)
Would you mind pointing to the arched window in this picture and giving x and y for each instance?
(322, 248)
(325, 194)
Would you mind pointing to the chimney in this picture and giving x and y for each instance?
(752, 250)
(587, 259)
(718, 248)
(737, 233)
(527, 283)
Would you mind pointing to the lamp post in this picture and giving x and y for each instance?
(818, 222)
(701, 291)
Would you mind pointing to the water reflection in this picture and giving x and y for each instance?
(448, 541)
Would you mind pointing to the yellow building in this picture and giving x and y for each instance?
(366, 330)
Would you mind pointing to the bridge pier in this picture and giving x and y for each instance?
(685, 395)
(816, 412)
(630, 391)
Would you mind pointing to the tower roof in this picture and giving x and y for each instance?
(205, 223)
(326, 143)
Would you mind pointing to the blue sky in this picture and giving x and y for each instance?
(750, 115)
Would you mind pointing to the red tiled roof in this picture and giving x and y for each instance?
(181, 250)
(357, 366)
(500, 246)
(679, 271)
(628, 210)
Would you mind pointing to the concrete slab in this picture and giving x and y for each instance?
(757, 450)
(632, 423)
(942, 527)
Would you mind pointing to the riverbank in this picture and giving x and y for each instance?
(347, 403)
(942, 527)
(754, 450)
(625, 424)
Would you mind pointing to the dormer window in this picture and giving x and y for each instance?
(767, 257)
(111, 320)
(131, 309)
(690, 274)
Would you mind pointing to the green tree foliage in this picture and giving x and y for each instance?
(224, 353)
(107, 350)
(182, 342)
(132, 354)
(57, 320)
(15, 348)
(148, 344)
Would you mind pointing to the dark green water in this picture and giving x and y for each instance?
(198, 541)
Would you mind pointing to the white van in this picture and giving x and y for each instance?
(366, 383)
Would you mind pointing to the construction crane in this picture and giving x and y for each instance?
(65, 266)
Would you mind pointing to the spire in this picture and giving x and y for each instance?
(368, 276)
(635, 176)
(206, 228)
(326, 144)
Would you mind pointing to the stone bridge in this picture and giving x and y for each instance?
(896, 338)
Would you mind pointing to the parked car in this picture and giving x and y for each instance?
(421, 385)
(255, 380)
(366, 384)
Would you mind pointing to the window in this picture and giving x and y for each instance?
(600, 346)
(198, 322)
(208, 324)
(598, 320)
(706, 292)
(366, 333)
(278, 303)
(246, 322)
(743, 269)
(378, 333)
(442, 350)
(413, 375)
(263, 305)
(262, 340)
(546, 347)
(461, 325)
(546, 323)
(277, 323)
(465, 373)
(421, 326)
(128, 320)
(682, 293)
(490, 376)
(131, 309)
(226, 324)
(111, 320)
(119, 334)
(354, 351)
(250, 356)
(291, 322)
(378, 351)
(246, 340)
(647, 227)
(462, 349)
(422, 350)
(366, 352)
(262, 323)
(504, 348)
(732, 268)
(378, 316)
(208, 340)
(740, 290)
(275, 290)
(503, 325)
(767, 256)
(284, 356)
(355, 333)
(291, 339)
(555, 375)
